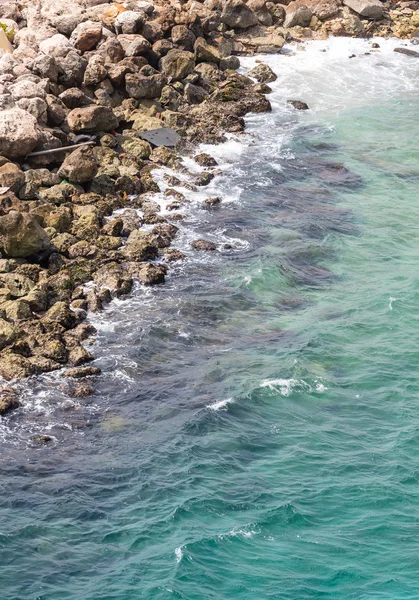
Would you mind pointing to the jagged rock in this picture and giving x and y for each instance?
(229, 62)
(60, 193)
(60, 313)
(141, 245)
(238, 15)
(95, 71)
(74, 98)
(298, 104)
(46, 66)
(205, 160)
(80, 166)
(148, 273)
(137, 147)
(19, 285)
(86, 36)
(56, 110)
(21, 236)
(92, 118)
(261, 11)
(277, 12)
(204, 52)
(8, 334)
(177, 64)
(34, 180)
(370, 9)
(19, 133)
(72, 69)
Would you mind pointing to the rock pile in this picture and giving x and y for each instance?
(106, 71)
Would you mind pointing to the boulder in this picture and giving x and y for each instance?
(92, 118)
(11, 177)
(369, 9)
(79, 372)
(134, 44)
(95, 71)
(139, 148)
(261, 11)
(182, 36)
(46, 66)
(177, 64)
(297, 15)
(21, 236)
(8, 334)
(71, 69)
(80, 166)
(144, 86)
(141, 245)
(204, 245)
(298, 104)
(195, 94)
(57, 45)
(262, 73)
(8, 400)
(129, 22)
(19, 133)
(229, 62)
(238, 15)
(15, 366)
(60, 313)
(206, 53)
(86, 36)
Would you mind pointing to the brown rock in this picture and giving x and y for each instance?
(79, 166)
(92, 118)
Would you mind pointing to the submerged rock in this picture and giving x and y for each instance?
(79, 372)
(298, 104)
(8, 400)
(204, 245)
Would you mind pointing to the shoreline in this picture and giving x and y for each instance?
(60, 211)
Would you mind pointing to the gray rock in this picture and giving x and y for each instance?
(370, 9)
(142, 86)
(57, 45)
(46, 66)
(262, 73)
(297, 15)
(238, 15)
(19, 133)
(177, 64)
(129, 21)
(71, 69)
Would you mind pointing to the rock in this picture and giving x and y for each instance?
(15, 366)
(143, 86)
(204, 52)
(298, 104)
(60, 193)
(21, 236)
(42, 439)
(19, 133)
(211, 202)
(177, 64)
(81, 391)
(237, 15)
(80, 166)
(92, 118)
(141, 245)
(74, 98)
(148, 273)
(46, 66)
(205, 160)
(86, 36)
(57, 45)
(172, 255)
(261, 11)
(11, 177)
(139, 148)
(262, 73)
(370, 9)
(78, 372)
(134, 45)
(406, 51)
(95, 72)
(8, 334)
(204, 245)
(72, 69)
(18, 284)
(277, 12)
(297, 15)
(8, 400)
(129, 21)
(182, 36)
(60, 313)
(195, 94)
(229, 62)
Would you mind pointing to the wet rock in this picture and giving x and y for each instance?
(298, 104)
(238, 15)
(263, 73)
(80, 166)
(369, 9)
(21, 236)
(203, 179)
(79, 372)
(177, 64)
(8, 400)
(229, 62)
(211, 202)
(81, 391)
(41, 440)
(19, 133)
(204, 245)
(205, 160)
(92, 118)
(148, 273)
(173, 255)
(406, 51)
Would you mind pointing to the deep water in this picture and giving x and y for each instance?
(255, 433)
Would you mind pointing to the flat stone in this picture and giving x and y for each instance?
(164, 136)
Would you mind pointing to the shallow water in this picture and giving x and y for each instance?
(255, 431)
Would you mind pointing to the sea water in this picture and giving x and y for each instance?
(255, 433)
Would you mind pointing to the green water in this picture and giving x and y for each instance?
(262, 440)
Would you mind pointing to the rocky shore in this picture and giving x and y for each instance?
(82, 82)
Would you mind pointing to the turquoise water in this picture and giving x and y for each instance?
(256, 431)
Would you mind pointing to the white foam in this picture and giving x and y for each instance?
(179, 554)
(283, 386)
(220, 404)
